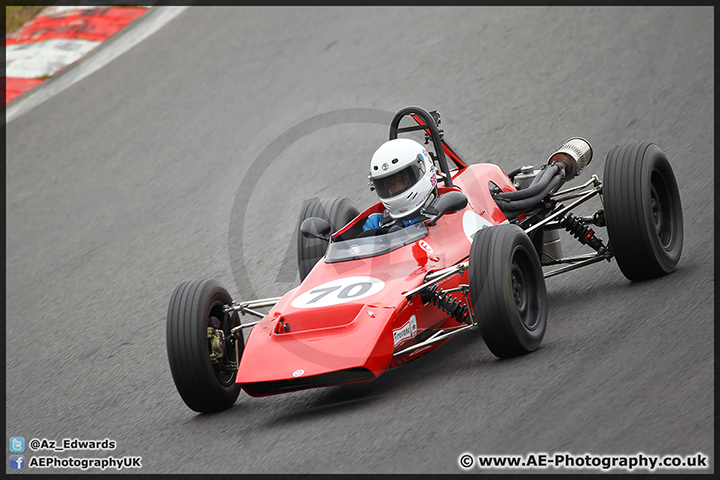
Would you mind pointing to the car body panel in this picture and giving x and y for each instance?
(346, 321)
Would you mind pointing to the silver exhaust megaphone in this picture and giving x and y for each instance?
(573, 155)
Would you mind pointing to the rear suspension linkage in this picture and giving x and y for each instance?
(585, 235)
(440, 298)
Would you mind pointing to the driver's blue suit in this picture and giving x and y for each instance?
(373, 221)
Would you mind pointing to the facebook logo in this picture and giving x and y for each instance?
(17, 444)
(17, 462)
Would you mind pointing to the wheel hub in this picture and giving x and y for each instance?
(656, 211)
(524, 289)
(519, 292)
(217, 344)
(221, 350)
(661, 205)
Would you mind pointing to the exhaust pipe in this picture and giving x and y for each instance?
(573, 156)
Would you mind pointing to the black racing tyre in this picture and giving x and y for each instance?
(507, 290)
(205, 386)
(643, 212)
(338, 212)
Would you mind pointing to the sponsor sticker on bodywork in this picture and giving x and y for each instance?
(406, 331)
(425, 246)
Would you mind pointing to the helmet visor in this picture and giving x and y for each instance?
(399, 182)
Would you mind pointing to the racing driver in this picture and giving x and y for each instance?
(404, 177)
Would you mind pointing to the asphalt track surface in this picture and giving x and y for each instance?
(128, 183)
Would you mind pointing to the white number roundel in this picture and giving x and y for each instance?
(472, 223)
(339, 291)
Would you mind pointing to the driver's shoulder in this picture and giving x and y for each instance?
(373, 221)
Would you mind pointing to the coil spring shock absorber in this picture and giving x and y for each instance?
(447, 304)
(582, 232)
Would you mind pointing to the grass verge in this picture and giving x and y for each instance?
(17, 15)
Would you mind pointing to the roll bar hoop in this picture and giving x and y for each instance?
(426, 121)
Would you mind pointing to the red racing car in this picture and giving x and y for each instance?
(373, 299)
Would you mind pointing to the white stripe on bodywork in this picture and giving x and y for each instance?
(472, 223)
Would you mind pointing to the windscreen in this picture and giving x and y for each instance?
(372, 246)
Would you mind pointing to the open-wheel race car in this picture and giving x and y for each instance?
(372, 299)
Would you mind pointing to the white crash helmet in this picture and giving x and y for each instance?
(403, 175)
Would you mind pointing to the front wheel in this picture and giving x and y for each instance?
(202, 354)
(642, 211)
(507, 290)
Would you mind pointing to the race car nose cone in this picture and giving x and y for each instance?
(573, 155)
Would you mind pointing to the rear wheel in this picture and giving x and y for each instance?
(202, 355)
(338, 212)
(642, 211)
(507, 290)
